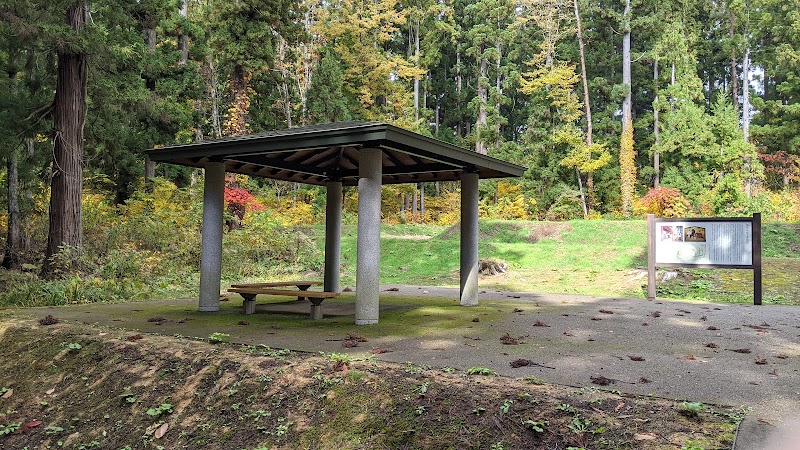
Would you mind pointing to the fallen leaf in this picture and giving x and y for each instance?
(8, 393)
(161, 431)
(347, 343)
(601, 380)
(636, 358)
(244, 322)
(596, 318)
(378, 351)
(48, 320)
(740, 350)
(619, 406)
(510, 340)
(712, 328)
(341, 366)
(33, 423)
(394, 289)
(644, 437)
(655, 314)
(773, 372)
(645, 324)
(644, 380)
(520, 363)
(568, 333)
(352, 336)
(606, 311)
(761, 360)
(539, 323)
(476, 320)
(156, 319)
(134, 337)
(782, 356)
(50, 391)
(690, 357)
(712, 345)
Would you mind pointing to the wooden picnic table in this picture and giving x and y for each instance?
(250, 290)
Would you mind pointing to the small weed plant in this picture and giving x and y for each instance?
(9, 428)
(164, 408)
(690, 409)
(480, 371)
(537, 426)
(218, 338)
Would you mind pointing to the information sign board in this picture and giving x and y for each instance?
(704, 243)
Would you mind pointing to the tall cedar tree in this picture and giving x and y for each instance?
(66, 186)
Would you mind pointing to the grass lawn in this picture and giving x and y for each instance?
(598, 257)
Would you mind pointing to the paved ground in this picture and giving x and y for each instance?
(678, 350)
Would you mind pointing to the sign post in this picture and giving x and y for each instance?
(733, 243)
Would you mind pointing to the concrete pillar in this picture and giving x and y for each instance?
(370, 171)
(469, 239)
(211, 250)
(333, 236)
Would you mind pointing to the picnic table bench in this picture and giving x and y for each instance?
(283, 288)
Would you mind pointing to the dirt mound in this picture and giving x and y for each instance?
(87, 387)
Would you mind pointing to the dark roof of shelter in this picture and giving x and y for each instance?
(330, 151)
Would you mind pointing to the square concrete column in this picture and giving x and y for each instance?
(370, 172)
(333, 236)
(211, 247)
(469, 239)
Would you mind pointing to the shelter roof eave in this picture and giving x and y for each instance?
(320, 153)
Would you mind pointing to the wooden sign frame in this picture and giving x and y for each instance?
(755, 252)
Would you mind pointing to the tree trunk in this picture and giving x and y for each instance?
(583, 197)
(656, 155)
(498, 87)
(734, 75)
(416, 62)
(459, 86)
(746, 95)
(65, 229)
(184, 40)
(422, 202)
(414, 209)
(746, 117)
(627, 154)
(213, 91)
(14, 236)
(483, 98)
(586, 107)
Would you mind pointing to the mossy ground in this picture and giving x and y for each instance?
(236, 397)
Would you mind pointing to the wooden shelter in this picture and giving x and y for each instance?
(363, 154)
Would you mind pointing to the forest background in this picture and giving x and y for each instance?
(616, 108)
